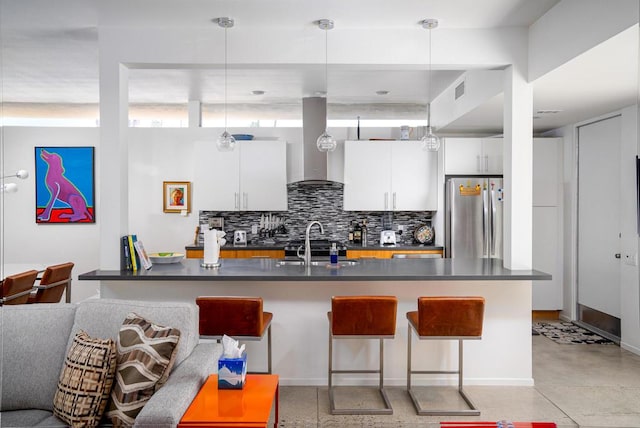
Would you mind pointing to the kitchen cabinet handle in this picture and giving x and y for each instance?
(236, 197)
(478, 165)
(394, 200)
(245, 197)
(486, 163)
(386, 200)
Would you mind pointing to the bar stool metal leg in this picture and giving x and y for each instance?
(472, 411)
(387, 410)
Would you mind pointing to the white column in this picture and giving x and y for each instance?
(195, 114)
(518, 169)
(113, 167)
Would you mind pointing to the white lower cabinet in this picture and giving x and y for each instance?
(252, 177)
(389, 176)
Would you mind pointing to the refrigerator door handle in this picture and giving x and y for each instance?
(485, 221)
(493, 222)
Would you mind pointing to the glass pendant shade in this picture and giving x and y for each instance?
(226, 142)
(430, 141)
(326, 142)
(9, 188)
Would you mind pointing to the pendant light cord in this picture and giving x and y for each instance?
(326, 74)
(429, 90)
(225, 79)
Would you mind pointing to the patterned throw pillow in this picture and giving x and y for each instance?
(86, 380)
(146, 353)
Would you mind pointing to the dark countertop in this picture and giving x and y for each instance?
(364, 270)
(280, 246)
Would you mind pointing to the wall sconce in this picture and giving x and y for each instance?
(13, 187)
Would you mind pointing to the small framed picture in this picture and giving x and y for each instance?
(176, 196)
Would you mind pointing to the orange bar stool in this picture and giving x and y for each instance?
(445, 318)
(15, 289)
(55, 281)
(361, 317)
(239, 317)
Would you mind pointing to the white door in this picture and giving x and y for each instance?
(216, 178)
(599, 216)
(463, 156)
(263, 175)
(367, 176)
(414, 177)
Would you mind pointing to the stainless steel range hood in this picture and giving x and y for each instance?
(314, 120)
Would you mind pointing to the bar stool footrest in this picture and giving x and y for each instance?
(387, 410)
(472, 411)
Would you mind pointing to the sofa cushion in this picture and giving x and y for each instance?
(103, 318)
(30, 418)
(34, 342)
(146, 353)
(85, 381)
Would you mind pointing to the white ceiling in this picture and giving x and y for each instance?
(50, 55)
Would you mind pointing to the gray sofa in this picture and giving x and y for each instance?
(34, 340)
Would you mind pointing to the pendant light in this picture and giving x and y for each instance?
(13, 187)
(225, 142)
(430, 141)
(326, 142)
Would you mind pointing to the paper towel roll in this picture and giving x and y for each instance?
(211, 247)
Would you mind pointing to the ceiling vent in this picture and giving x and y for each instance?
(459, 90)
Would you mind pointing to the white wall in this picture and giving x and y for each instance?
(629, 275)
(24, 241)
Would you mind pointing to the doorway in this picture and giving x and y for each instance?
(598, 291)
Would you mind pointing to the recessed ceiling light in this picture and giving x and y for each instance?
(382, 92)
(257, 92)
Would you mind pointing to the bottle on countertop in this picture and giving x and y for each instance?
(333, 254)
(357, 234)
(363, 233)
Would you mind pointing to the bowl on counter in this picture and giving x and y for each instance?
(167, 257)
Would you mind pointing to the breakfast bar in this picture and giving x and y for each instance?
(299, 297)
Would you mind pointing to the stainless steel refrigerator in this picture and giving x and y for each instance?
(473, 217)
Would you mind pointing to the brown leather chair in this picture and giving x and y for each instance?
(361, 317)
(16, 288)
(445, 318)
(239, 317)
(55, 280)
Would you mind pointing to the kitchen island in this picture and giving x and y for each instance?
(300, 297)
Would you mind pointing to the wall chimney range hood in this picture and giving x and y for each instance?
(314, 121)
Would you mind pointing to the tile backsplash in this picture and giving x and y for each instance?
(321, 202)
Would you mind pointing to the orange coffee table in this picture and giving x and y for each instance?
(233, 408)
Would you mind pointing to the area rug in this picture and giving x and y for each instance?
(568, 333)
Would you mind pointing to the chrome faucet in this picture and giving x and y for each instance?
(307, 243)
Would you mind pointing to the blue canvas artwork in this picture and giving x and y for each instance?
(65, 190)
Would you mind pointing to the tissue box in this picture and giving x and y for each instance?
(232, 372)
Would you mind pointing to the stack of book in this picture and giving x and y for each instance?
(132, 254)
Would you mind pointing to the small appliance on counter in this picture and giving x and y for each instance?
(240, 238)
(387, 238)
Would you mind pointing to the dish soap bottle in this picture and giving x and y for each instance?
(333, 254)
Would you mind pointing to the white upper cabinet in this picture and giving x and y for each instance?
(473, 156)
(389, 176)
(252, 177)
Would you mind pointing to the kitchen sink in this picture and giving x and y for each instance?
(289, 262)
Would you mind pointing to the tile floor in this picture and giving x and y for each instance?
(583, 386)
